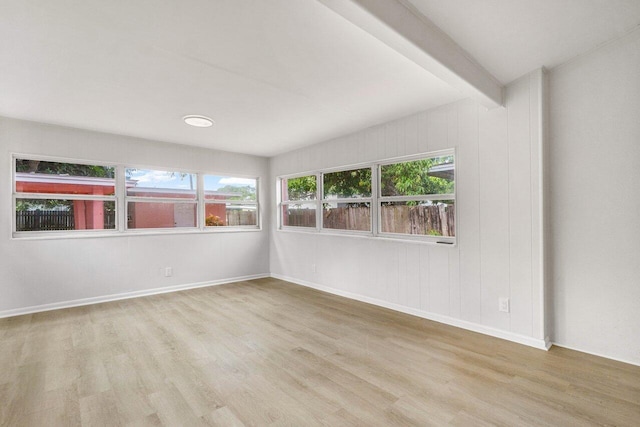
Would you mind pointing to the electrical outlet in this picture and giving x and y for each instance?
(313, 268)
(503, 305)
(168, 272)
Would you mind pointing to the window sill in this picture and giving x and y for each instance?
(129, 233)
(421, 240)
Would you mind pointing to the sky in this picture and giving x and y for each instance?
(163, 179)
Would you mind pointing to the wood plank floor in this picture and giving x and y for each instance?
(267, 352)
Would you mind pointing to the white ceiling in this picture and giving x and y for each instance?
(510, 38)
(274, 75)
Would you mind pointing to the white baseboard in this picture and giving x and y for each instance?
(542, 344)
(125, 295)
(604, 356)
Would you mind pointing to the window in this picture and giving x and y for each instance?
(346, 200)
(230, 201)
(299, 204)
(161, 199)
(412, 198)
(57, 196)
(417, 197)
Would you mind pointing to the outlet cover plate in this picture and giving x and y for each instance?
(503, 305)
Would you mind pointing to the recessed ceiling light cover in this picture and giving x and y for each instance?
(198, 121)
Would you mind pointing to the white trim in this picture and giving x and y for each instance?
(581, 350)
(470, 326)
(375, 200)
(124, 295)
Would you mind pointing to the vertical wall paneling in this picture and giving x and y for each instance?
(439, 280)
(520, 208)
(424, 278)
(468, 201)
(423, 131)
(494, 215)
(413, 276)
(411, 135)
(496, 199)
(454, 255)
(437, 129)
(537, 110)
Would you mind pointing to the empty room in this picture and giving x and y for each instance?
(320, 213)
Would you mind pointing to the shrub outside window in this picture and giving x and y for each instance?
(298, 201)
(59, 196)
(346, 200)
(230, 201)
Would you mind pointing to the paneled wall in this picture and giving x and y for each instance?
(37, 274)
(499, 225)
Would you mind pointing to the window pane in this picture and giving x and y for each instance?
(347, 184)
(153, 183)
(161, 215)
(229, 188)
(33, 176)
(432, 218)
(301, 188)
(347, 216)
(299, 215)
(226, 214)
(58, 214)
(418, 177)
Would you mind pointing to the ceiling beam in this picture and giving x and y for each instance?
(400, 26)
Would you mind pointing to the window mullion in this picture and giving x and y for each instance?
(201, 202)
(319, 195)
(375, 214)
(121, 205)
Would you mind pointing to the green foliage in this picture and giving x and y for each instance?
(434, 232)
(302, 188)
(345, 184)
(399, 179)
(412, 178)
(244, 192)
(43, 205)
(72, 169)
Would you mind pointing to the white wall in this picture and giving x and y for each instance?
(39, 272)
(498, 225)
(595, 201)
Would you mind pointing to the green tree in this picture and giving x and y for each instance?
(302, 188)
(57, 168)
(345, 184)
(244, 192)
(397, 179)
(414, 178)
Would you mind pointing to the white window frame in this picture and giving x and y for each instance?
(149, 199)
(369, 200)
(375, 201)
(254, 203)
(121, 202)
(417, 198)
(315, 202)
(16, 195)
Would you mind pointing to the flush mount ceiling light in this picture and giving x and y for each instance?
(198, 121)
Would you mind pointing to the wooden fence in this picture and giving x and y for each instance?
(239, 217)
(436, 220)
(54, 220)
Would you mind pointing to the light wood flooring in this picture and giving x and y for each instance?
(267, 352)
